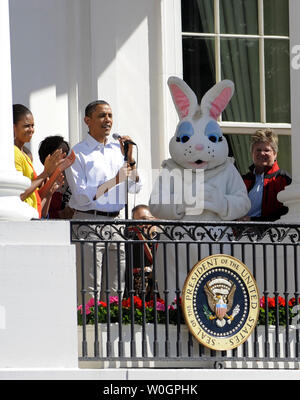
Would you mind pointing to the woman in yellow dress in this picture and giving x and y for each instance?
(23, 131)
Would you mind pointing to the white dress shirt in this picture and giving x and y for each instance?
(95, 164)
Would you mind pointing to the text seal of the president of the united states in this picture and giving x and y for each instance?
(220, 301)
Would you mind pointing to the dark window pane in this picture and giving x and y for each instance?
(240, 63)
(276, 17)
(199, 64)
(239, 17)
(284, 156)
(197, 16)
(277, 67)
(239, 149)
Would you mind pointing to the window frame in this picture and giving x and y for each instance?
(244, 127)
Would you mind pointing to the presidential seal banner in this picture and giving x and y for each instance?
(220, 302)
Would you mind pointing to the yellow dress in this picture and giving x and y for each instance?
(23, 164)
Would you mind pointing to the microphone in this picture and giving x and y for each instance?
(116, 136)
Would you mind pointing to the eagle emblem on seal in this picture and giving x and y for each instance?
(220, 296)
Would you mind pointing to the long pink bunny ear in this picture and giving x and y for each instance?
(216, 99)
(183, 97)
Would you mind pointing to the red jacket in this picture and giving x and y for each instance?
(275, 180)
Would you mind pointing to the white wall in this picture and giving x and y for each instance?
(290, 196)
(38, 321)
(38, 69)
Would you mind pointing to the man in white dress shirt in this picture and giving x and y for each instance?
(99, 179)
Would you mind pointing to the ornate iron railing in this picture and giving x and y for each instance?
(149, 328)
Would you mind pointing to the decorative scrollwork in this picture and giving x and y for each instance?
(186, 231)
(98, 232)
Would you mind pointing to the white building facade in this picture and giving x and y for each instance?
(77, 51)
(67, 53)
(59, 55)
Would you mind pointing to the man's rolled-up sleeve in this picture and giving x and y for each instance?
(83, 194)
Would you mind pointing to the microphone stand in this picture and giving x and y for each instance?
(126, 182)
(128, 270)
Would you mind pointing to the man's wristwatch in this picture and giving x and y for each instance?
(132, 164)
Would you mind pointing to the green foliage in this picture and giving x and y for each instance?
(277, 309)
(139, 314)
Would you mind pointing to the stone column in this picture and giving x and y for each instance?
(291, 195)
(12, 183)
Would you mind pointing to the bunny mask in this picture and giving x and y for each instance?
(198, 141)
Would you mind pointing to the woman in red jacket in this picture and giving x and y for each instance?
(265, 179)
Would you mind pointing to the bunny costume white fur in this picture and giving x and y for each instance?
(199, 147)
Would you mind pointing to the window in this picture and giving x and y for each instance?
(246, 41)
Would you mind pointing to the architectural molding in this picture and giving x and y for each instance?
(290, 196)
(12, 183)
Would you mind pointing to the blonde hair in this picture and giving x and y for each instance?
(265, 136)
